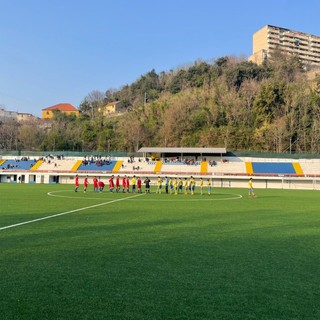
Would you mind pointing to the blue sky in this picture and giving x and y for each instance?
(61, 50)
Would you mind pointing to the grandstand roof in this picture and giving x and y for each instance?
(184, 150)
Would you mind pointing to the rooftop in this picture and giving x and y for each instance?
(62, 107)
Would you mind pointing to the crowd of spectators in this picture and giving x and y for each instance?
(178, 160)
(10, 167)
(48, 158)
(131, 159)
(15, 165)
(51, 159)
(100, 161)
(22, 159)
(212, 163)
(97, 160)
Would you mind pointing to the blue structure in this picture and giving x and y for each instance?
(18, 165)
(273, 168)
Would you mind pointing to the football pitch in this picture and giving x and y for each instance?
(67, 255)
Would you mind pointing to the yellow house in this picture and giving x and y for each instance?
(65, 108)
(111, 108)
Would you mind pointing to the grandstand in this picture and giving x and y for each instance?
(17, 164)
(223, 170)
(310, 167)
(142, 167)
(97, 166)
(63, 165)
(177, 167)
(228, 166)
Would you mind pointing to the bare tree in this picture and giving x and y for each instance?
(8, 135)
(92, 102)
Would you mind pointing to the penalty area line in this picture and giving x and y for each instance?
(67, 212)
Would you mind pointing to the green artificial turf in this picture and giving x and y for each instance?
(157, 256)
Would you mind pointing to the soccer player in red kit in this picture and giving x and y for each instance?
(139, 185)
(85, 184)
(127, 185)
(111, 184)
(118, 183)
(76, 184)
(95, 184)
(101, 186)
(124, 183)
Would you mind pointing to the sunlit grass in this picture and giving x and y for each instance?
(159, 256)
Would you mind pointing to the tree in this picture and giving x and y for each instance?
(285, 67)
(178, 82)
(30, 137)
(199, 74)
(91, 103)
(8, 135)
(268, 101)
(237, 74)
(228, 102)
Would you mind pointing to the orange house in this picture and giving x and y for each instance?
(65, 108)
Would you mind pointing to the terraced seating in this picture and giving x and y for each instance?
(137, 166)
(213, 166)
(180, 168)
(229, 167)
(57, 165)
(95, 166)
(18, 164)
(310, 167)
(273, 168)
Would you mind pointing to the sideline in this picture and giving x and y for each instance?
(67, 212)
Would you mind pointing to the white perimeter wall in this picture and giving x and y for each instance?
(303, 183)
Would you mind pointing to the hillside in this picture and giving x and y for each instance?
(228, 102)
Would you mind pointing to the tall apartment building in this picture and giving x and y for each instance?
(269, 38)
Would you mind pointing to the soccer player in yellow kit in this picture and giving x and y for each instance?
(201, 186)
(185, 186)
(133, 183)
(159, 183)
(175, 184)
(250, 187)
(192, 184)
(209, 186)
(180, 185)
(171, 185)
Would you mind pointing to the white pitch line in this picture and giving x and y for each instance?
(67, 212)
(234, 196)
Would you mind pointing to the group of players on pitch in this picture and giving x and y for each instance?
(168, 185)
